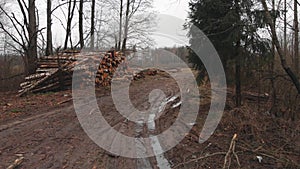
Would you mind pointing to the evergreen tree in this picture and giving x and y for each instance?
(232, 26)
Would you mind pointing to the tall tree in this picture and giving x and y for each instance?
(232, 26)
(238, 90)
(138, 24)
(285, 27)
(49, 46)
(32, 33)
(281, 53)
(93, 24)
(296, 43)
(80, 11)
(126, 25)
(120, 25)
(71, 8)
(272, 62)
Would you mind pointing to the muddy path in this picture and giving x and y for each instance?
(52, 137)
(55, 139)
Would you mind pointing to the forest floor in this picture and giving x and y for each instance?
(42, 130)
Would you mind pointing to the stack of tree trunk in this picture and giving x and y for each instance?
(56, 72)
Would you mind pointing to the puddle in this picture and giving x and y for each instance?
(151, 122)
(172, 98)
(163, 104)
(158, 108)
(162, 162)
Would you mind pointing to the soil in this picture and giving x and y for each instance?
(44, 129)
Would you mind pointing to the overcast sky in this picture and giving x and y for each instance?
(174, 8)
(177, 8)
(172, 24)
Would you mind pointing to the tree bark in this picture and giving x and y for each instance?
(285, 28)
(272, 64)
(126, 26)
(121, 25)
(32, 33)
(69, 22)
(93, 25)
(296, 44)
(49, 46)
(238, 91)
(281, 54)
(81, 40)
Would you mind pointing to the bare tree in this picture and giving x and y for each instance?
(296, 43)
(120, 25)
(285, 27)
(139, 23)
(281, 53)
(238, 90)
(80, 11)
(93, 24)
(49, 46)
(126, 25)
(32, 33)
(25, 33)
(71, 9)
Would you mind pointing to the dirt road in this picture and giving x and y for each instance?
(53, 137)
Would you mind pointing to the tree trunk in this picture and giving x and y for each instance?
(279, 49)
(121, 25)
(296, 45)
(285, 28)
(49, 46)
(69, 22)
(81, 40)
(272, 65)
(31, 54)
(126, 26)
(238, 91)
(93, 25)
(99, 30)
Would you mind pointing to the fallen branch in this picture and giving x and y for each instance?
(263, 152)
(65, 101)
(231, 150)
(200, 158)
(16, 163)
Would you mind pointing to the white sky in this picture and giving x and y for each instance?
(174, 8)
(177, 8)
(178, 13)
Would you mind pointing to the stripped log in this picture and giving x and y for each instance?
(51, 76)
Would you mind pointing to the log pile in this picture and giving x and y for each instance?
(55, 72)
(148, 72)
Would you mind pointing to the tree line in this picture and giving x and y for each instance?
(100, 24)
(250, 34)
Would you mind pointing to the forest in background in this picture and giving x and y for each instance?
(258, 41)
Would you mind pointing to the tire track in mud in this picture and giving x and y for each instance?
(145, 128)
(55, 139)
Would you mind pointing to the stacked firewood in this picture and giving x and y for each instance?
(108, 66)
(56, 72)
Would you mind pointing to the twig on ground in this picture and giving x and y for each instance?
(264, 152)
(16, 163)
(231, 150)
(65, 101)
(200, 158)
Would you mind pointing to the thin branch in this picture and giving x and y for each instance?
(200, 158)
(23, 12)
